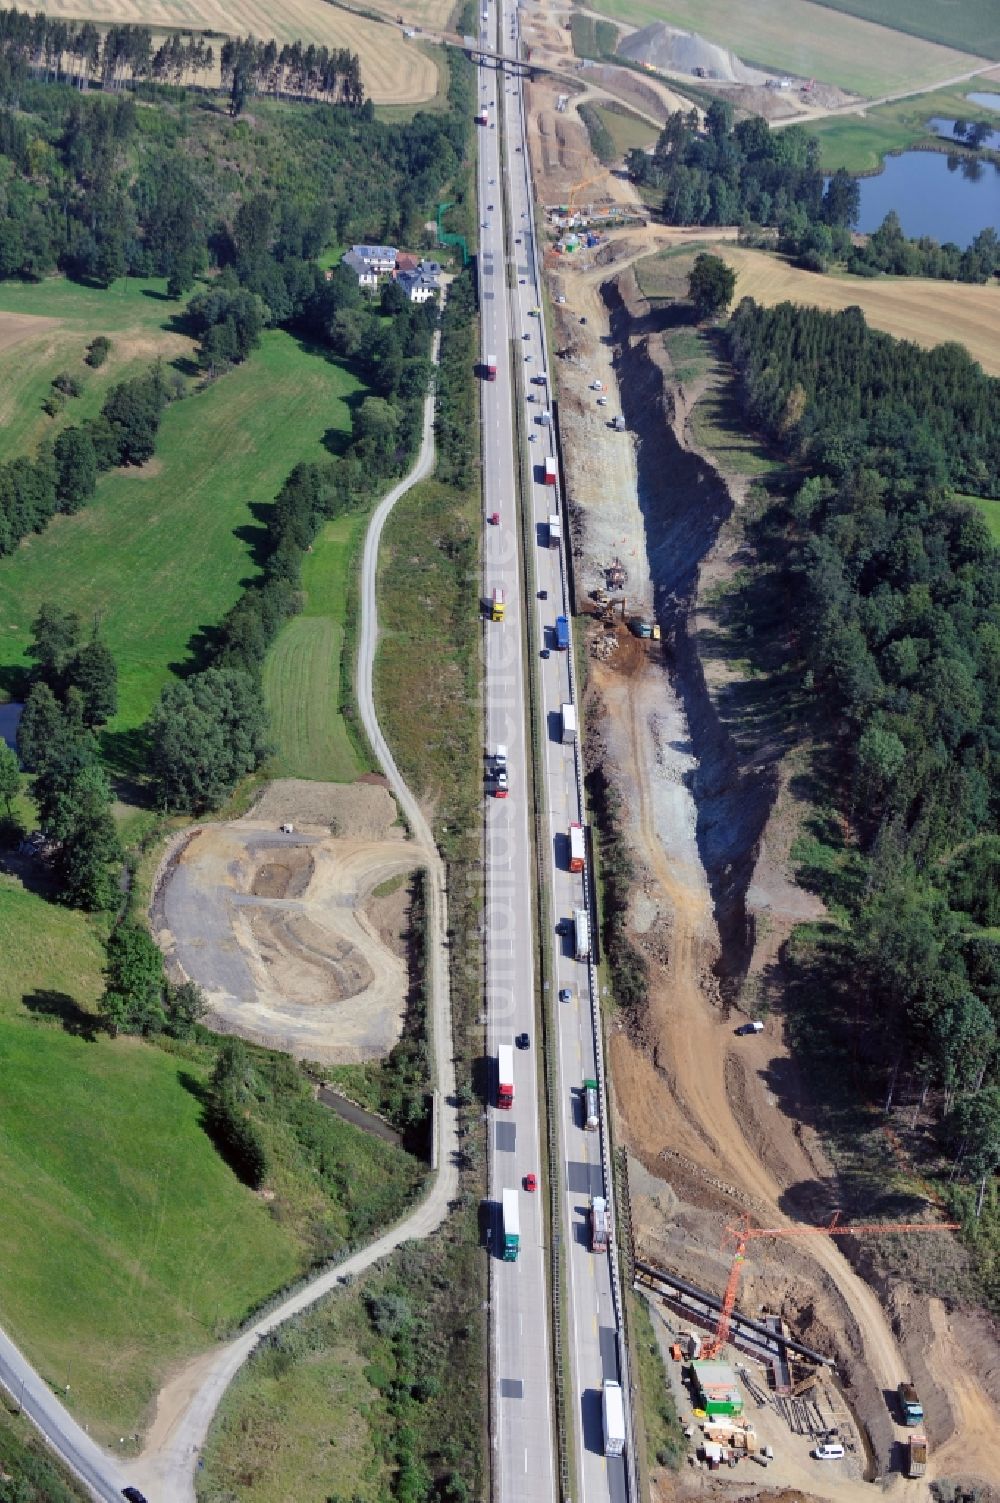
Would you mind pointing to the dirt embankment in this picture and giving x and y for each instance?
(682, 523)
(722, 1124)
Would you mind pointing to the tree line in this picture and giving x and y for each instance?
(77, 52)
(770, 184)
(892, 592)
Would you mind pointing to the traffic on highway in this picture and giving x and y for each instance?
(519, 446)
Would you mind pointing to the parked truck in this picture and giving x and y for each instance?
(581, 933)
(551, 472)
(568, 725)
(505, 1077)
(555, 529)
(598, 1224)
(562, 633)
(511, 1226)
(591, 1106)
(916, 1455)
(910, 1406)
(577, 847)
(613, 1409)
(498, 604)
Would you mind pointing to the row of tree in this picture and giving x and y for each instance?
(893, 599)
(770, 184)
(77, 52)
(63, 477)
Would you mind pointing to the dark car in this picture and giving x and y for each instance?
(583, 320)
(543, 594)
(133, 1495)
(544, 653)
(523, 1041)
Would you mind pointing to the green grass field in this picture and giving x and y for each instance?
(302, 674)
(45, 328)
(125, 1241)
(626, 130)
(972, 24)
(807, 40)
(160, 553)
(990, 510)
(860, 145)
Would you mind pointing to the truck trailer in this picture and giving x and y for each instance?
(498, 604)
(483, 118)
(598, 1224)
(505, 1077)
(489, 361)
(562, 633)
(568, 725)
(577, 847)
(511, 1226)
(581, 933)
(591, 1106)
(551, 472)
(555, 529)
(613, 1409)
(916, 1455)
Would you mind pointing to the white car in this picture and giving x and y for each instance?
(831, 1451)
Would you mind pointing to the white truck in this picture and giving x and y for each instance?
(613, 1408)
(581, 933)
(555, 529)
(568, 724)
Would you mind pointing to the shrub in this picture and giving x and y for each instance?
(98, 351)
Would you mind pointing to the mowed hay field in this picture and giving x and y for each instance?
(45, 328)
(394, 70)
(302, 673)
(808, 40)
(927, 312)
(126, 1243)
(974, 24)
(160, 553)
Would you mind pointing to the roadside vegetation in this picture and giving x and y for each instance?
(601, 140)
(593, 39)
(30, 1472)
(665, 1443)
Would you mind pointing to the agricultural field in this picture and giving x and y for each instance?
(429, 15)
(972, 24)
(45, 328)
(302, 674)
(125, 1241)
(160, 553)
(929, 313)
(807, 40)
(859, 144)
(393, 69)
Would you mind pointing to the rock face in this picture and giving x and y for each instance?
(674, 51)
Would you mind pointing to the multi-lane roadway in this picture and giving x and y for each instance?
(513, 332)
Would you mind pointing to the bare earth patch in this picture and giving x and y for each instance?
(281, 928)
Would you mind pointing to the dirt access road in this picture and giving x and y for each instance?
(187, 1404)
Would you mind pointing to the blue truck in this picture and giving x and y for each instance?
(562, 633)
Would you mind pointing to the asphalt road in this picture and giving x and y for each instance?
(589, 1314)
(521, 1400)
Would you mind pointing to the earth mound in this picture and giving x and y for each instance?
(673, 51)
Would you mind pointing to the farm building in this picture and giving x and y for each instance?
(716, 1389)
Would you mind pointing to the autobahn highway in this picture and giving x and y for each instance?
(514, 332)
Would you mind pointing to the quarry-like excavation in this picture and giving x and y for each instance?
(716, 1124)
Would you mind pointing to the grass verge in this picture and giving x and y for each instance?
(627, 131)
(160, 553)
(665, 1443)
(29, 1471)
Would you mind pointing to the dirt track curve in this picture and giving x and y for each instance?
(187, 1404)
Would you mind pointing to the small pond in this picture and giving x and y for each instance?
(983, 136)
(988, 101)
(946, 197)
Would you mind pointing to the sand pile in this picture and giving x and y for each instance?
(675, 51)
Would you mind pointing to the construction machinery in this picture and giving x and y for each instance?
(743, 1233)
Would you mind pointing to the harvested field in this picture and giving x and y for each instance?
(394, 70)
(806, 40)
(276, 927)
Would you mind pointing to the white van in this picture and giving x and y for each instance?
(831, 1451)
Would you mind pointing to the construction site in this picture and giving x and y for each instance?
(819, 1323)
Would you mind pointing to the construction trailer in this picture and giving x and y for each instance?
(717, 1388)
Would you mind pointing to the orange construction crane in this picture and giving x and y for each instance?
(578, 188)
(744, 1233)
